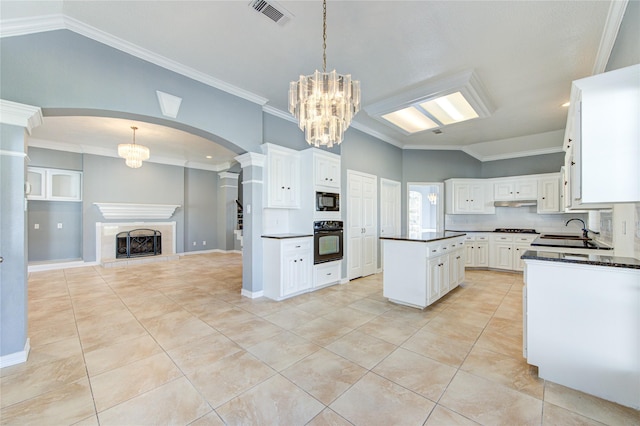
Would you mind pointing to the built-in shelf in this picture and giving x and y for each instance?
(136, 211)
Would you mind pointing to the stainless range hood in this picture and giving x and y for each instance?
(515, 203)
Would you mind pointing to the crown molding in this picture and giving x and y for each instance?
(484, 158)
(24, 26)
(228, 175)
(251, 159)
(609, 34)
(22, 115)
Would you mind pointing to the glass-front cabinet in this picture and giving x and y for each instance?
(54, 184)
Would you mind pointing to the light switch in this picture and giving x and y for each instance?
(36, 226)
(59, 226)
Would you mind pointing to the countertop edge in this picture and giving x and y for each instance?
(417, 240)
(286, 236)
(594, 260)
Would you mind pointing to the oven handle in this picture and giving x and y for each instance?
(328, 232)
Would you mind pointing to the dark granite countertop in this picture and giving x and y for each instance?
(553, 242)
(426, 237)
(493, 231)
(285, 236)
(584, 259)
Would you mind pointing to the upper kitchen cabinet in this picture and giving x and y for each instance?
(515, 189)
(282, 177)
(602, 139)
(550, 194)
(468, 196)
(326, 169)
(54, 184)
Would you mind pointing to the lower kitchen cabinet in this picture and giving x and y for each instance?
(506, 250)
(326, 274)
(476, 250)
(288, 266)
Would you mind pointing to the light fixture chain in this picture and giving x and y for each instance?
(324, 36)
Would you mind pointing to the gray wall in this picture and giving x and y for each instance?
(201, 210)
(436, 166)
(48, 242)
(626, 50)
(547, 163)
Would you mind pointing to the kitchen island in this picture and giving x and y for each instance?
(420, 269)
(581, 317)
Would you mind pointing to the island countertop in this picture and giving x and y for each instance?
(584, 259)
(426, 237)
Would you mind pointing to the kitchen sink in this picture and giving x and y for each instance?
(565, 237)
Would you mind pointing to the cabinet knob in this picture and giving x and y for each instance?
(573, 163)
(329, 273)
(283, 187)
(543, 198)
(297, 246)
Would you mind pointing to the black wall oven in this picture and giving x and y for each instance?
(327, 241)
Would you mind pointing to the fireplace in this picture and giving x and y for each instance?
(138, 243)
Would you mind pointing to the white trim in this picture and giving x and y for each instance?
(228, 186)
(16, 357)
(4, 153)
(169, 104)
(279, 113)
(37, 267)
(228, 175)
(120, 211)
(252, 181)
(609, 34)
(189, 253)
(23, 26)
(436, 147)
(251, 159)
(17, 114)
(252, 294)
(541, 151)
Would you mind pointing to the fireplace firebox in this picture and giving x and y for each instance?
(138, 242)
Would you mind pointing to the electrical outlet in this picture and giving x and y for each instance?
(194, 243)
(36, 226)
(204, 243)
(59, 226)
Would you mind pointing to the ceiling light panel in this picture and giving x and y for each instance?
(411, 120)
(450, 109)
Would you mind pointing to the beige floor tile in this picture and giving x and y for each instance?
(324, 375)
(394, 332)
(210, 419)
(318, 307)
(45, 333)
(464, 333)
(283, 350)
(202, 353)
(372, 306)
(441, 416)
(118, 385)
(221, 320)
(509, 344)
(374, 400)
(149, 307)
(511, 372)
(223, 380)
(176, 402)
(107, 335)
(422, 375)
(349, 317)
(321, 331)
(89, 421)
(289, 318)
(553, 415)
(176, 329)
(438, 347)
(412, 317)
(361, 348)
(112, 356)
(275, 401)
(328, 417)
(590, 406)
(66, 404)
(41, 378)
(251, 332)
(487, 402)
(44, 354)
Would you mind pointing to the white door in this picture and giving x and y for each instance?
(362, 224)
(389, 208)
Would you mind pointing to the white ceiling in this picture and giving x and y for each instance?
(526, 53)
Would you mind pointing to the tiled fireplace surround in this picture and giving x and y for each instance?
(106, 242)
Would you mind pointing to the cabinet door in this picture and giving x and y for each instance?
(549, 199)
(433, 285)
(305, 271)
(445, 274)
(526, 189)
(36, 182)
(327, 172)
(503, 190)
(503, 256)
(456, 268)
(283, 177)
(462, 196)
(64, 185)
(476, 200)
(518, 263)
(290, 273)
(481, 254)
(469, 254)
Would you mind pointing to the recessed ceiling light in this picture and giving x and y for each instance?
(450, 109)
(209, 157)
(410, 120)
(566, 104)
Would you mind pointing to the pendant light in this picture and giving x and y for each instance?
(324, 103)
(133, 154)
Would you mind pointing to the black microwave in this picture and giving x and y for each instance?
(327, 202)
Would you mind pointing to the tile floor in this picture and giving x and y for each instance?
(175, 343)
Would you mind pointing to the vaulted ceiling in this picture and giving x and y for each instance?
(525, 54)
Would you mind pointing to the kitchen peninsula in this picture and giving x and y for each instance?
(419, 269)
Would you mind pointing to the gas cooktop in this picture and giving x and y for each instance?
(516, 230)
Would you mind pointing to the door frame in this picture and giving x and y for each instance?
(440, 209)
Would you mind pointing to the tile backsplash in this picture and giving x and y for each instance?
(520, 217)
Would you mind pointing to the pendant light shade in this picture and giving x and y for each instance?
(133, 154)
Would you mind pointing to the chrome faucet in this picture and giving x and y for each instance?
(585, 231)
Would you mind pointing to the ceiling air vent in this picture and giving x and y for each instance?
(272, 10)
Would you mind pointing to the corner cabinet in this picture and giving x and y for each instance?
(282, 177)
(288, 266)
(550, 194)
(602, 139)
(54, 184)
(468, 196)
(506, 250)
(476, 248)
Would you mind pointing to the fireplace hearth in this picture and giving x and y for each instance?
(138, 243)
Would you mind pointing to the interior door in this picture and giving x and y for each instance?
(389, 208)
(362, 224)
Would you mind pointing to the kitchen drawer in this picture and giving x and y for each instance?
(302, 244)
(525, 239)
(326, 273)
(503, 238)
(482, 238)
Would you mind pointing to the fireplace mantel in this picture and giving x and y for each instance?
(122, 211)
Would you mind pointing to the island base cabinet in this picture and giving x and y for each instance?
(582, 328)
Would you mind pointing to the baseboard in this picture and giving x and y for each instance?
(252, 294)
(189, 253)
(36, 267)
(16, 357)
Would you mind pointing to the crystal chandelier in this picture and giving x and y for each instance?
(433, 197)
(132, 153)
(324, 103)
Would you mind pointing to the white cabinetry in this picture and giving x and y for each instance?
(326, 170)
(468, 196)
(325, 274)
(549, 194)
(417, 273)
(515, 189)
(506, 250)
(54, 184)
(287, 266)
(603, 126)
(282, 177)
(476, 250)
